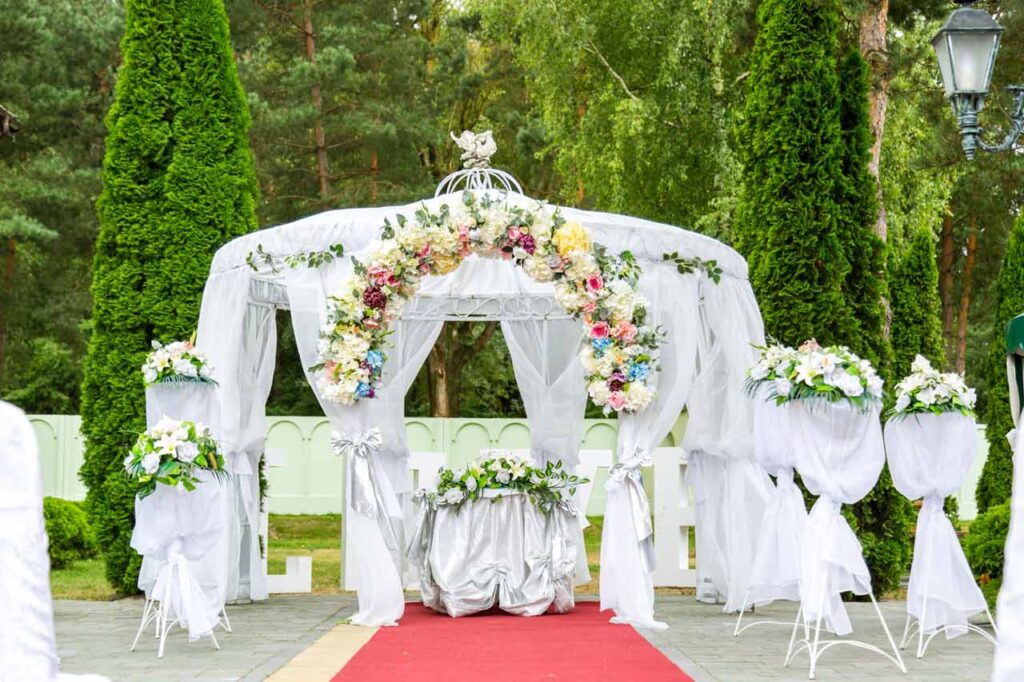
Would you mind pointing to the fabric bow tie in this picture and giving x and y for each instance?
(358, 448)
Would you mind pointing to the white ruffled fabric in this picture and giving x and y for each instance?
(1009, 661)
(839, 454)
(929, 456)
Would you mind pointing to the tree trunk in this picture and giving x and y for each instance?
(437, 373)
(319, 137)
(965, 297)
(946, 281)
(373, 176)
(5, 303)
(454, 349)
(874, 29)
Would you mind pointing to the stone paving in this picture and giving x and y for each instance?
(93, 637)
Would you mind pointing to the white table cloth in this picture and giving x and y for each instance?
(929, 456)
(839, 454)
(174, 529)
(777, 556)
(496, 551)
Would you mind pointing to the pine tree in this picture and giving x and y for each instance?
(788, 219)
(178, 181)
(996, 482)
(916, 317)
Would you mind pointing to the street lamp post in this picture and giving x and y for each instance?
(966, 47)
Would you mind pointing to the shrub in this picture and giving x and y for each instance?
(67, 527)
(985, 545)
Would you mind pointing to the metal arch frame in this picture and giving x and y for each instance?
(478, 179)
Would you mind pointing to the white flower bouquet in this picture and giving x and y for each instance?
(177, 361)
(172, 452)
(831, 374)
(599, 288)
(545, 487)
(927, 390)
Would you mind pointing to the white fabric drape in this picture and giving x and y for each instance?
(627, 582)
(776, 569)
(731, 491)
(839, 454)
(550, 379)
(177, 529)
(28, 649)
(378, 566)
(929, 455)
(1009, 661)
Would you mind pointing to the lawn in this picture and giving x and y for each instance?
(298, 535)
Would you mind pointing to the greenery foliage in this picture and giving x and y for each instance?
(913, 286)
(996, 482)
(178, 181)
(67, 528)
(985, 546)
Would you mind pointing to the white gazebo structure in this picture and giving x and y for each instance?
(709, 330)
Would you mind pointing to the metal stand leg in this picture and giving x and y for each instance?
(739, 621)
(150, 614)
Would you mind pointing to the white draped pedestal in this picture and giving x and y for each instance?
(176, 529)
(929, 455)
(776, 569)
(503, 552)
(839, 455)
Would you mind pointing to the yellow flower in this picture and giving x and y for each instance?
(445, 263)
(571, 237)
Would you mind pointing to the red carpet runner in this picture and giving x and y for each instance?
(581, 646)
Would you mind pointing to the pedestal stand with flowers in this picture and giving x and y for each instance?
(930, 440)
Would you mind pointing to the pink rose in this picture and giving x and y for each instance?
(617, 401)
(810, 344)
(625, 332)
(589, 307)
(425, 251)
(513, 233)
(594, 282)
(600, 330)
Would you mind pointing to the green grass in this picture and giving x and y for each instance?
(292, 535)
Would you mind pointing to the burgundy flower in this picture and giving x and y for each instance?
(615, 384)
(528, 244)
(373, 297)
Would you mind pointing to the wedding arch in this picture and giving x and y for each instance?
(669, 317)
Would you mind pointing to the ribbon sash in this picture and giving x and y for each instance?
(627, 473)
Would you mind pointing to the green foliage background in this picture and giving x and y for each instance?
(178, 182)
(68, 531)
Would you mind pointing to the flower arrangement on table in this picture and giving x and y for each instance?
(927, 390)
(173, 452)
(546, 487)
(176, 362)
(593, 285)
(812, 372)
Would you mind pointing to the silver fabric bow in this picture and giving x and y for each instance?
(628, 473)
(364, 493)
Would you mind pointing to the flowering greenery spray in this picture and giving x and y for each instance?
(831, 374)
(596, 287)
(177, 361)
(546, 487)
(927, 390)
(172, 452)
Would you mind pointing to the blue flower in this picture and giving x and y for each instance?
(375, 359)
(363, 390)
(638, 371)
(601, 345)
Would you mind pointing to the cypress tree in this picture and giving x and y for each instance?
(996, 482)
(788, 218)
(916, 307)
(178, 181)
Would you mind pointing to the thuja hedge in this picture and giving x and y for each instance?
(178, 181)
(996, 480)
(806, 218)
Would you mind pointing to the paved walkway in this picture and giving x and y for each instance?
(93, 637)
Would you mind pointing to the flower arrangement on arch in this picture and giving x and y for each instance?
(546, 487)
(596, 287)
(172, 452)
(927, 390)
(812, 372)
(177, 361)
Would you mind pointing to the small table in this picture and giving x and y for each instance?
(500, 549)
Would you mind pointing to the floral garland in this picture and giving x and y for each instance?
(832, 374)
(172, 452)
(592, 285)
(545, 487)
(177, 361)
(927, 390)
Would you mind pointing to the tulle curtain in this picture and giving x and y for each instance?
(1009, 661)
(378, 542)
